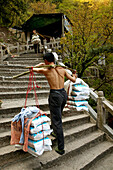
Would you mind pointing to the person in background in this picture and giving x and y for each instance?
(57, 97)
(35, 40)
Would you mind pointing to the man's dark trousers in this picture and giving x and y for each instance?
(57, 101)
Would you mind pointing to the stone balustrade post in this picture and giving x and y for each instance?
(1, 56)
(27, 47)
(100, 111)
(45, 42)
(18, 49)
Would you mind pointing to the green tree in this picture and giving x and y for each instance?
(13, 12)
(92, 29)
(42, 7)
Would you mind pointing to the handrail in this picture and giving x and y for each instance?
(93, 95)
(108, 106)
(104, 108)
(53, 44)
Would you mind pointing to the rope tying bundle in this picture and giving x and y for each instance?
(32, 81)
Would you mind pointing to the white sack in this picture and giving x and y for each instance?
(77, 108)
(43, 126)
(77, 103)
(78, 93)
(36, 153)
(40, 135)
(79, 97)
(80, 81)
(39, 144)
(80, 87)
(39, 120)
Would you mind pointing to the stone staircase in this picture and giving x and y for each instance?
(85, 145)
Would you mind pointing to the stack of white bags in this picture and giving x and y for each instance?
(78, 94)
(35, 39)
(38, 142)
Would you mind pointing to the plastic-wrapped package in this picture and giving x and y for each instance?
(37, 153)
(40, 144)
(40, 135)
(77, 108)
(80, 93)
(80, 81)
(77, 103)
(41, 119)
(80, 87)
(43, 126)
(79, 97)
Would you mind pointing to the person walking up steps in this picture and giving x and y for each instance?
(35, 40)
(57, 97)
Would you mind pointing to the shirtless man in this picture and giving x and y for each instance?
(57, 96)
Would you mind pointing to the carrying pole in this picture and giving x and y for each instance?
(44, 66)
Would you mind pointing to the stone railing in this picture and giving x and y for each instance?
(53, 44)
(104, 109)
(18, 49)
(11, 49)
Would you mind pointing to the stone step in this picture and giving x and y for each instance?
(12, 70)
(19, 95)
(29, 55)
(5, 123)
(20, 89)
(11, 73)
(23, 62)
(85, 160)
(11, 66)
(105, 163)
(5, 138)
(22, 83)
(20, 58)
(14, 106)
(25, 78)
(9, 153)
(49, 158)
(70, 134)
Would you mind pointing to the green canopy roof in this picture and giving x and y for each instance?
(49, 24)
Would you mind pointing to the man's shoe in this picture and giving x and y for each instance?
(61, 152)
(54, 135)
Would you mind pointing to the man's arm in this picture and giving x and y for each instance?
(72, 78)
(40, 64)
(39, 70)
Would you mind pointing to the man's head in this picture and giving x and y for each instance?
(34, 31)
(49, 57)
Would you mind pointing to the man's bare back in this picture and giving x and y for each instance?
(55, 76)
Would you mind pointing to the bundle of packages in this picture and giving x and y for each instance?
(38, 140)
(29, 131)
(35, 39)
(78, 93)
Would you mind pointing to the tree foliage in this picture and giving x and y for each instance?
(43, 7)
(92, 29)
(13, 12)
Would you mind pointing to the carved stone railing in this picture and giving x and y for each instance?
(104, 108)
(18, 49)
(11, 49)
(53, 44)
